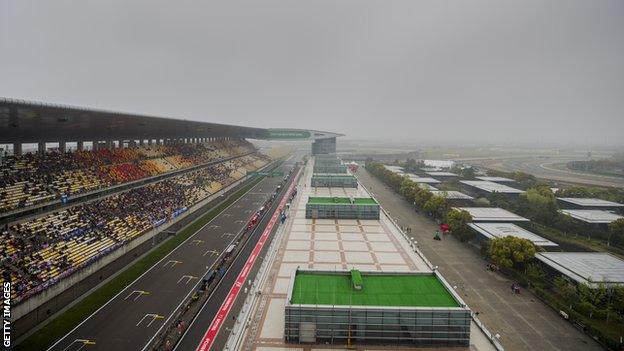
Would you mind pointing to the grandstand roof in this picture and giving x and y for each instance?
(30, 122)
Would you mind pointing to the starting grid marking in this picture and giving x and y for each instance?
(81, 342)
(188, 278)
(211, 252)
(151, 317)
(197, 242)
(137, 294)
(226, 235)
(225, 308)
(172, 263)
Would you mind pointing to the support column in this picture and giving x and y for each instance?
(80, 145)
(42, 147)
(110, 145)
(142, 142)
(17, 149)
(62, 146)
(95, 145)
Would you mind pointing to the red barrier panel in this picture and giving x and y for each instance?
(225, 308)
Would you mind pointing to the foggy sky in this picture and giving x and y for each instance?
(424, 71)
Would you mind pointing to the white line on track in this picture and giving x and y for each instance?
(144, 273)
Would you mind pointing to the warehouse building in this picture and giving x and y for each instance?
(594, 217)
(591, 268)
(495, 179)
(431, 169)
(488, 231)
(439, 164)
(423, 180)
(442, 175)
(395, 169)
(484, 188)
(371, 307)
(428, 187)
(454, 198)
(492, 214)
(589, 204)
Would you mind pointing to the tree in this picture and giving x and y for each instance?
(437, 206)
(410, 165)
(458, 222)
(500, 200)
(565, 290)
(618, 298)
(536, 275)
(422, 196)
(590, 297)
(616, 231)
(467, 173)
(539, 204)
(511, 251)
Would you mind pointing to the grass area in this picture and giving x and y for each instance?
(407, 290)
(63, 323)
(341, 201)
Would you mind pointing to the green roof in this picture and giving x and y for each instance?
(397, 290)
(341, 201)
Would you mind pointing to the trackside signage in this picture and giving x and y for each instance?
(288, 134)
(225, 308)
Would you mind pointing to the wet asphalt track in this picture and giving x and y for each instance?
(132, 318)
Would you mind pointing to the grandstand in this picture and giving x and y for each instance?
(32, 179)
(69, 209)
(47, 248)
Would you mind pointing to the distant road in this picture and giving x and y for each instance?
(549, 168)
